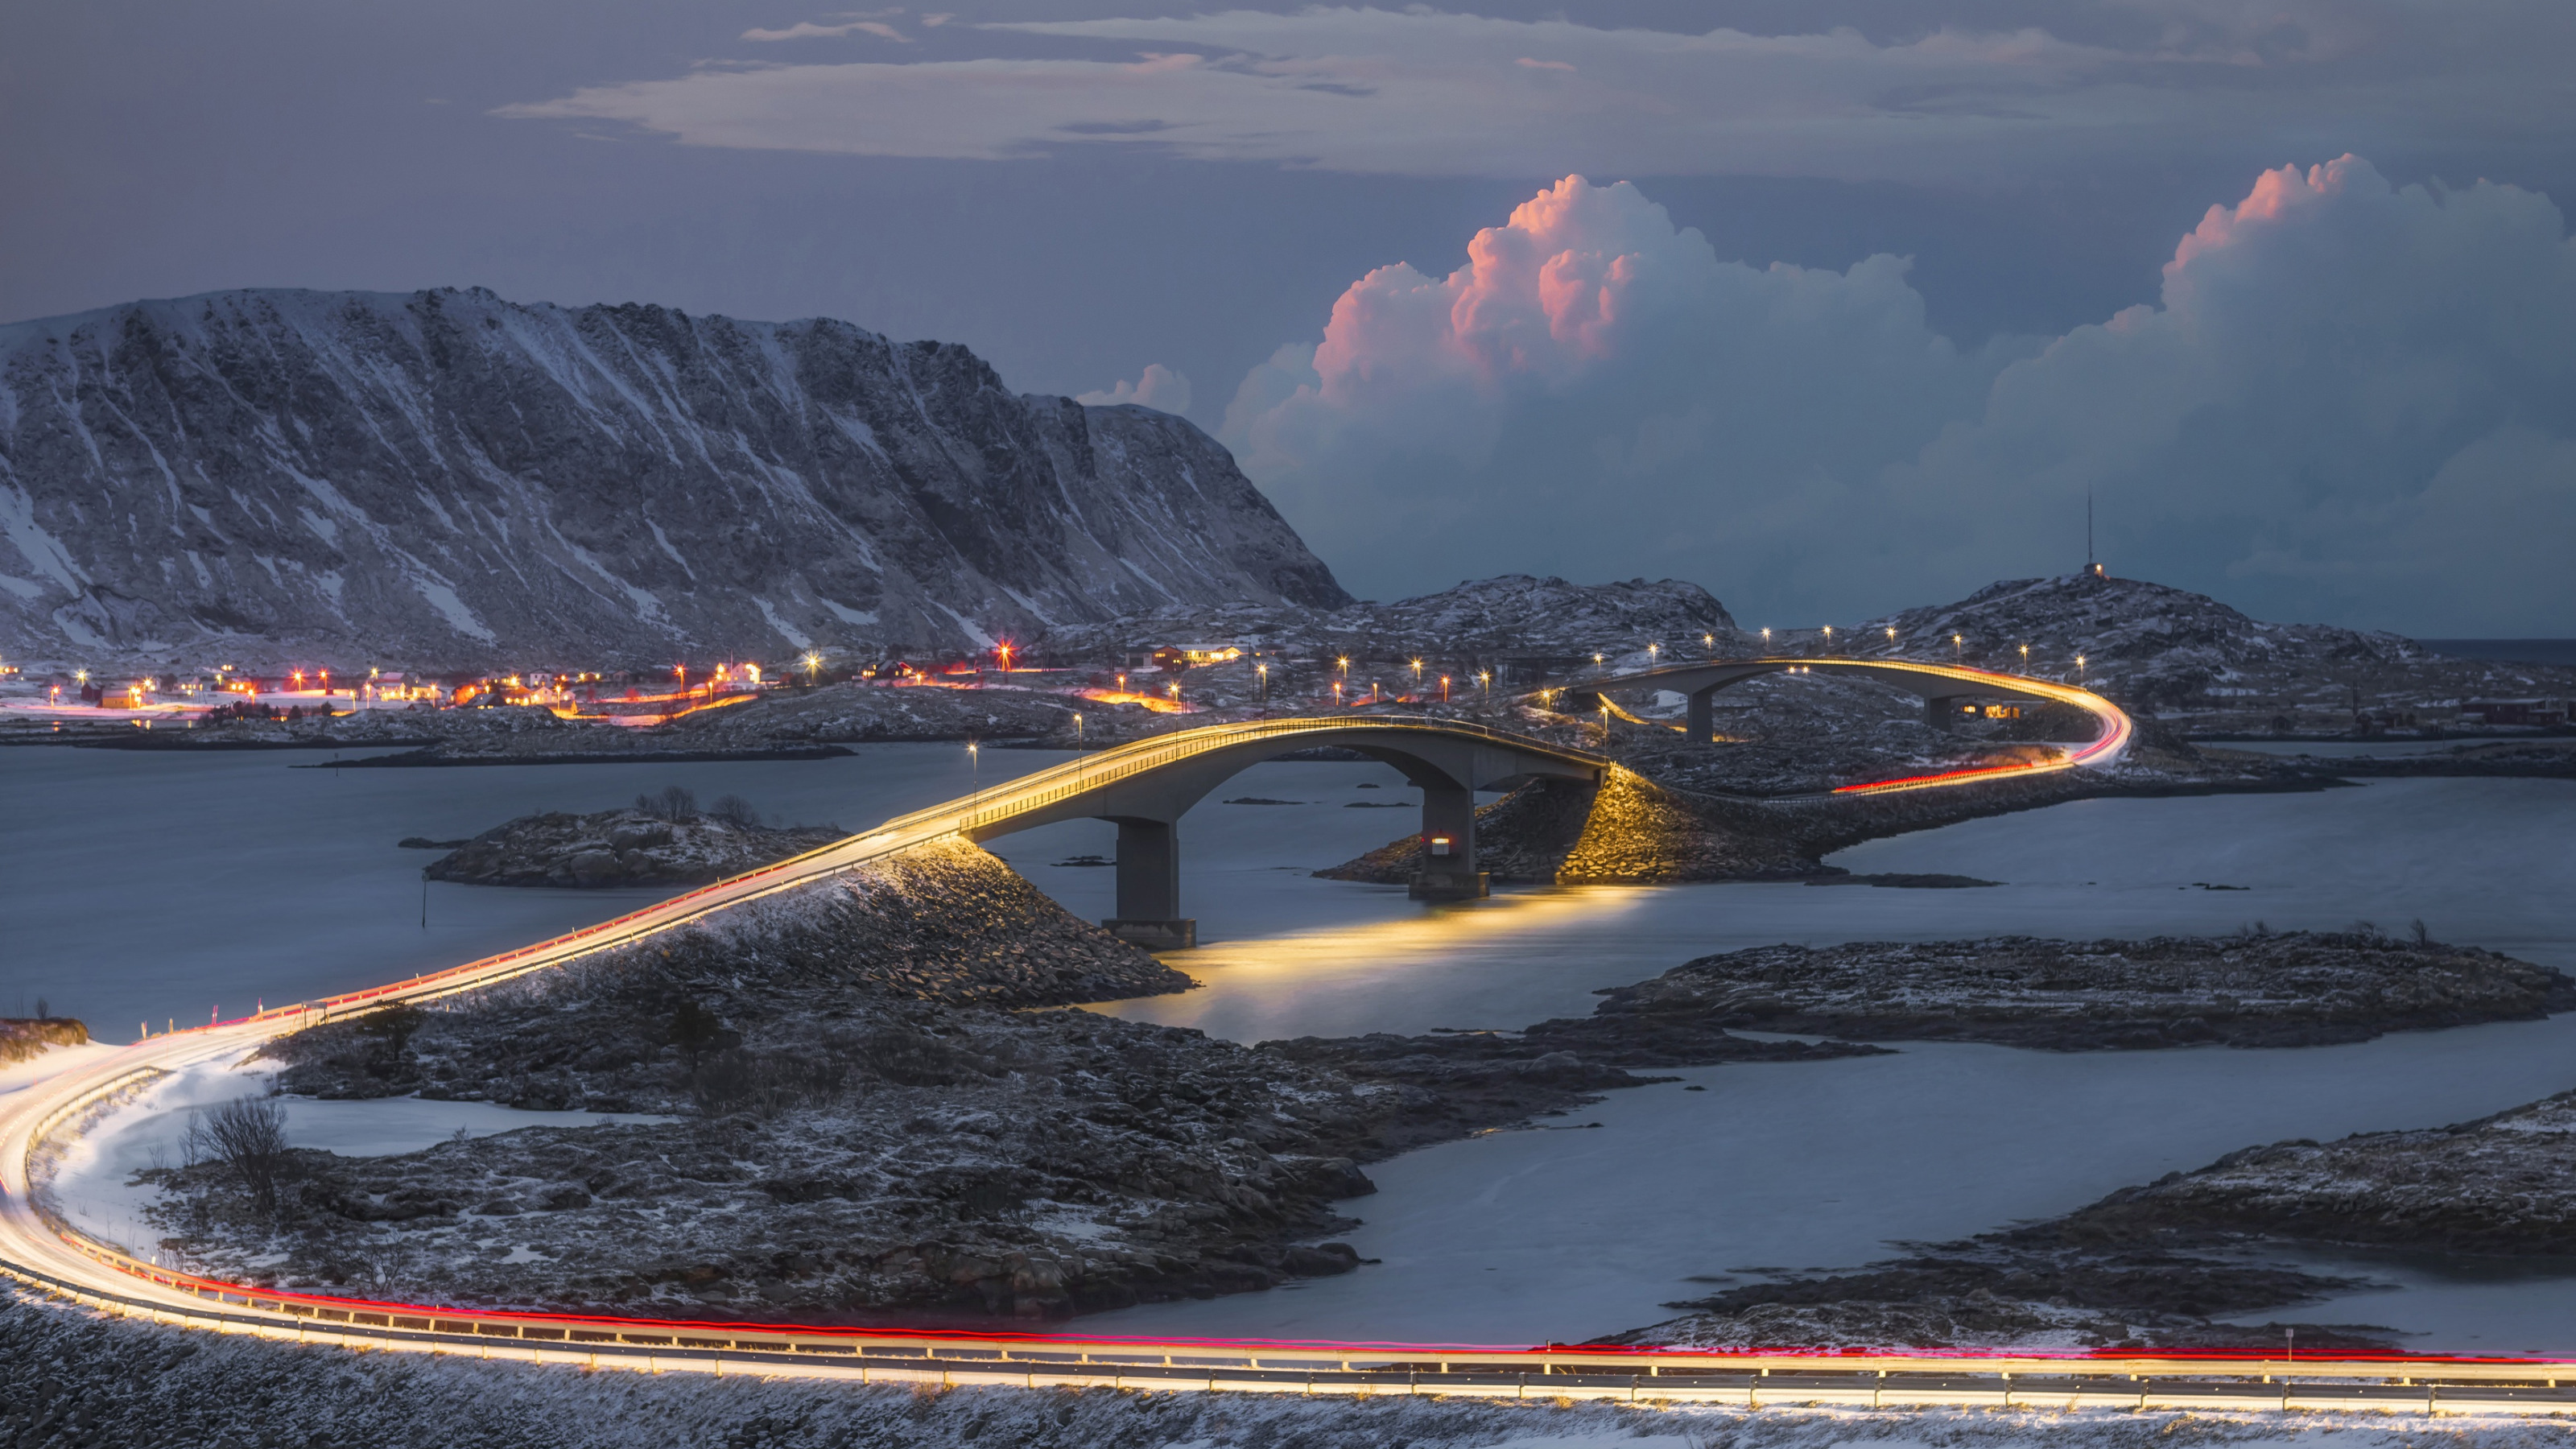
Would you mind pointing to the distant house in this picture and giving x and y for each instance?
(2514, 711)
(1177, 657)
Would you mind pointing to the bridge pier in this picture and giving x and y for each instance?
(1699, 726)
(1149, 887)
(1448, 871)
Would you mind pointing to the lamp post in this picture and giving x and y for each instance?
(1605, 724)
(813, 668)
(1444, 689)
(1766, 641)
(2079, 670)
(975, 767)
(2025, 659)
(1653, 653)
(1485, 684)
(1958, 648)
(1077, 729)
(1264, 671)
(1829, 638)
(1337, 694)
(1891, 636)
(1417, 675)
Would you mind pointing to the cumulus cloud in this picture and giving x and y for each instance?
(2353, 401)
(808, 30)
(1423, 92)
(1159, 388)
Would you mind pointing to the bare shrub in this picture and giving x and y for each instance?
(248, 1136)
(735, 810)
(765, 1086)
(693, 1029)
(915, 1058)
(394, 1026)
(674, 803)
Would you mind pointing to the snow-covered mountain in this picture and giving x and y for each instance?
(1500, 617)
(447, 478)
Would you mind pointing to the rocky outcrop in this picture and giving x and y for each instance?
(1976, 1295)
(448, 479)
(2296, 989)
(2502, 1186)
(622, 848)
(22, 1037)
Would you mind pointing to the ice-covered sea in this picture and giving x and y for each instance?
(145, 887)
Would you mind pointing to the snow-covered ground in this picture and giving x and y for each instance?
(93, 1181)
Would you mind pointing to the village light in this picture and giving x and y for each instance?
(1337, 694)
(1077, 729)
(1654, 652)
(1891, 633)
(1444, 689)
(1263, 670)
(813, 667)
(2079, 669)
(1485, 683)
(1344, 664)
(2025, 659)
(1958, 647)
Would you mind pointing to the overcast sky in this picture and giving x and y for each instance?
(1833, 306)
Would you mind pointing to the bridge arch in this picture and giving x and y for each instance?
(1146, 796)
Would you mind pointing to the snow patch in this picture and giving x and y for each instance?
(444, 600)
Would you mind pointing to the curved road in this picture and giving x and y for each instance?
(47, 1254)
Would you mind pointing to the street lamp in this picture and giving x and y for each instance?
(1344, 665)
(2025, 659)
(1444, 689)
(1891, 636)
(1829, 638)
(813, 668)
(1337, 694)
(1605, 724)
(1485, 684)
(2079, 669)
(1766, 641)
(1654, 652)
(1958, 648)
(1077, 729)
(975, 764)
(1264, 671)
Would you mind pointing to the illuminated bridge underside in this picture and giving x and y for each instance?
(1449, 765)
(1944, 688)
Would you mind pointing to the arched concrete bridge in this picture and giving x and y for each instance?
(1945, 689)
(1147, 787)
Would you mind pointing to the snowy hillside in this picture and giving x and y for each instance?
(1480, 619)
(446, 478)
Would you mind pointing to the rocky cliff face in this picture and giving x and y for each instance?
(447, 478)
